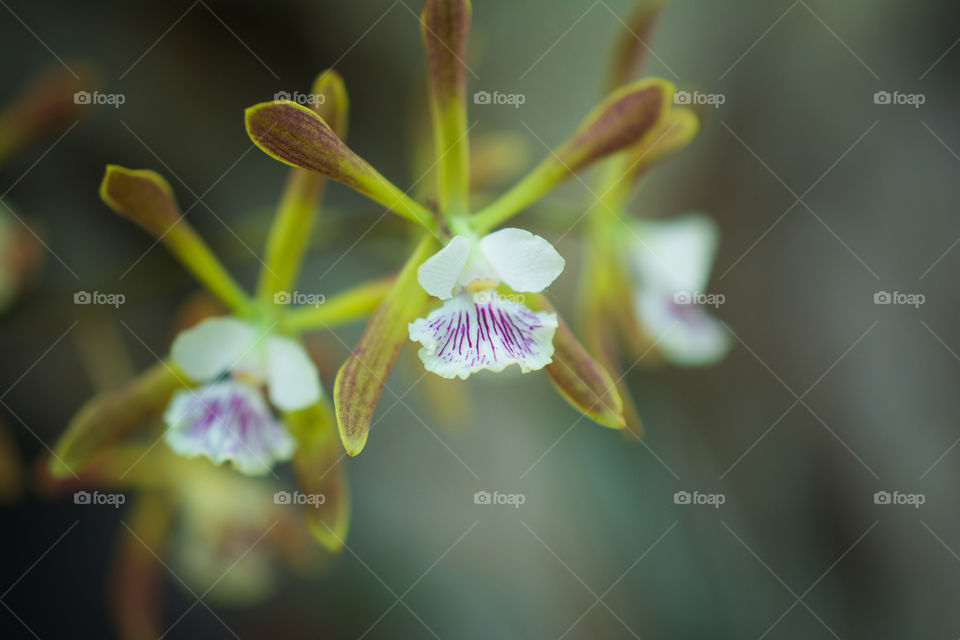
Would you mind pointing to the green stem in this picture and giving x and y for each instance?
(289, 233)
(345, 307)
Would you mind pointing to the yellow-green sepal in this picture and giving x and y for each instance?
(342, 308)
(362, 377)
(109, 417)
(145, 198)
(298, 136)
(320, 471)
(444, 26)
(621, 120)
(295, 216)
(580, 379)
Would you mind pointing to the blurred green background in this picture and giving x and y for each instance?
(826, 399)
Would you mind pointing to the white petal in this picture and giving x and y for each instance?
(227, 421)
(439, 273)
(483, 331)
(213, 346)
(292, 378)
(686, 334)
(524, 261)
(675, 255)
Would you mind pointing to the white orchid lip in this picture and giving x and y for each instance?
(226, 344)
(471, 332)
(227, 421)
(476, 328)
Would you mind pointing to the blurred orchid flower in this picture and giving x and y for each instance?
(477, 260)
(238, 388)
(217, 532)
(228, 419)
(644, 281)
(670, 263)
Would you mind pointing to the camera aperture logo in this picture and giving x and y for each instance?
(299, 297)
(512, 499)
(112, 99)
(307, 499)
(485, 97)
(99, 297)
(97, 498)
(896, 97)
(306, 99)
(696, 297)
(698, 498)
(898, 297)
(898, 498)
(696, 97)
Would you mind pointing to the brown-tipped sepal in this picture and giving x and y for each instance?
(580, 379)
(362, 377)
(633, 46)
(107, 418)
(142, 196)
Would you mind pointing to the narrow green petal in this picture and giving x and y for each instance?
(633, 44)
(137, 580)
(362, 377)
(621, 120)
(320, 470)
(146, 199)
(445, 25)
(342, 308)
(580, 379)
(298, 136)
(295, 216)
(109, 417)
(599, 338)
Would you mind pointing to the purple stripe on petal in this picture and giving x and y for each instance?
(506, 333)
(227, 421)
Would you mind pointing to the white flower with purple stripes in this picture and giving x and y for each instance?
(228, 418)
(477, 328)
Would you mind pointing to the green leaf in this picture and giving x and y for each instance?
(319, 469)
(107, 418)
(146, 199)
(362, 377)
(298, 136)
(620, 121)
(445, 25)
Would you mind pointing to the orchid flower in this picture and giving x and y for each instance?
(645, 280)
(670, 263)
(476, 273)
(477, 328)
(228, 418)
(237, 389)
(220, 533)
